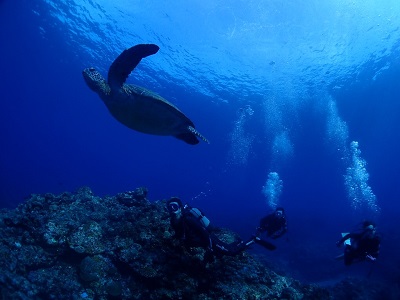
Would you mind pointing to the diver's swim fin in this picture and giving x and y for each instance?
(265, 244)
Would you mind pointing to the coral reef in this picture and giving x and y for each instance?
(80, 246)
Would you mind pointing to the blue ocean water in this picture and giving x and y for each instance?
(299, 100)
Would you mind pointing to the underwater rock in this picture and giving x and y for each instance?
(87, 238)
(114, 288)
(78, 245)
(133, 198)
(93, 268)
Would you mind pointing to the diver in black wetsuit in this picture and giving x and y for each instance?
(362, 246)
(194, 229)
(274, 224)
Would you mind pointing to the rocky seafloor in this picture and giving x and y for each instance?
(81, 246)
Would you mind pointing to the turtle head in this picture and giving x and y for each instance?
(96, 82)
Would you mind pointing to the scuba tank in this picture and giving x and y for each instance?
(196, 213)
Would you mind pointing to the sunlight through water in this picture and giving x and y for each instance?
(264, 43)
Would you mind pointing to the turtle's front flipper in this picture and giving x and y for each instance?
(188, 137)
(198, 134)
(191, 136)
(126, 62)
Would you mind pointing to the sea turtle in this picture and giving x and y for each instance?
(136, 107)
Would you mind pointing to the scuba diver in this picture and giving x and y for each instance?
(194, 229)
(363, 246)
(274, 224)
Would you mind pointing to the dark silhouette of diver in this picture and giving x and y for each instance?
(274, 224)
(361, 246)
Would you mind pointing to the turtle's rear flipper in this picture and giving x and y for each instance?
(126, 62)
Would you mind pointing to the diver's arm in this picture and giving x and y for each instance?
(374, 252)
(264, 223)
(279, 232)
(177, 226)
